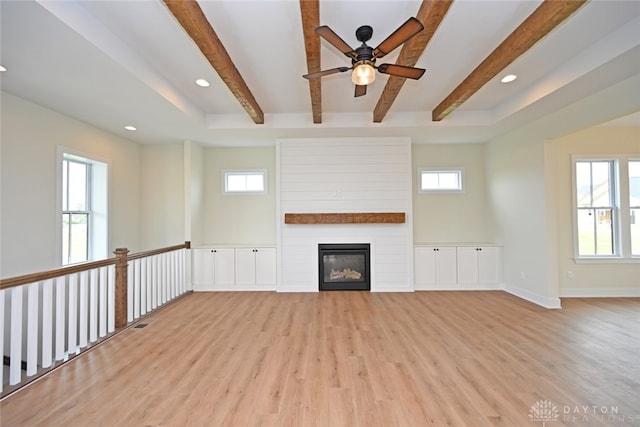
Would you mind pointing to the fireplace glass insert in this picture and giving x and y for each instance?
(344, 267)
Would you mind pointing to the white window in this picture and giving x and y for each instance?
(595, 203)
(245, 181)
(76, 189)
(634, 205)
(606, 207)
(440, 179)
(83, 201)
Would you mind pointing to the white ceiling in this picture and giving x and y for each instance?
(112, 63)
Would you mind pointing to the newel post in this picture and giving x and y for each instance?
(121, 287)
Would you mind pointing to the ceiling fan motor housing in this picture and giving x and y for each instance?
(364, 33)
(364, 53)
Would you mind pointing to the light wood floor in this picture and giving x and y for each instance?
(351, 359)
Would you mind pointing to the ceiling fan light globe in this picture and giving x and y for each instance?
(363, 74)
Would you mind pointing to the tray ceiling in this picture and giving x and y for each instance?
(132, 62)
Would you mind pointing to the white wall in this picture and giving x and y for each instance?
(338, 176)
(516, 192)
(29, 137)
(595, 279)
(194, 193)
(238, 219)
(523, 190)
(450, 217)
(162, 196)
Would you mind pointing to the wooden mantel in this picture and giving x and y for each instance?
(345, 218)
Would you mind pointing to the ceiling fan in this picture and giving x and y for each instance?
(363, 58)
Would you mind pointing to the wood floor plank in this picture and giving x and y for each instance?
(350, 359)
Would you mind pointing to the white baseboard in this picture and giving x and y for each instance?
(540, 300)
(599, 292)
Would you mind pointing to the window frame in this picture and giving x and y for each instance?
(244, 172)
(631, 159)
(621, 209)
(457, 170)
(66, 257)
(98, 204)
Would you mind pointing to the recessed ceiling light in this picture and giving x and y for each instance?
(508, 78)
(2, 69)
(202, 83)
(131, 128)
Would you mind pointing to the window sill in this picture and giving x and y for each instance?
(606, 260)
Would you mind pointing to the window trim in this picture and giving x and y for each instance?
(458, 170)
(621, 204)
(228, 172)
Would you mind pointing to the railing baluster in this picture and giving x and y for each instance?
(137, 288)
(2, 336)
(93, 305)
(111, 299)
(102, 303)
(183, 271)
(160, 280)
(154, 280)
(60, 317)
(47, 323)
(172, 275)
(165, 278)
(15, 349)
(83, 310)
(72, 320)
(143, 286)
(176, 269)
(32, 328)
(130, 291)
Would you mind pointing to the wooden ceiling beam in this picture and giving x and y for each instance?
(541, 22)
(431, 13)
(310, 11)
(195, 23)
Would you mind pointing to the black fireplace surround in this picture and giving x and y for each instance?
(344, 267)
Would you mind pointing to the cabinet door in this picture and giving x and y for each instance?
(203, 269)
(435, 267)
(224, 271)
(468, 265)
(446, 268)
(245, 268)
(266, 268)
(424, 261)
(489, 265)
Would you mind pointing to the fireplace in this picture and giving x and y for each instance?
(344, 267)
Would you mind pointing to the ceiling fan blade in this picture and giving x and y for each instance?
(326, 72)
(360, 90)
(401, 71)
(399, 36)
(327, 33)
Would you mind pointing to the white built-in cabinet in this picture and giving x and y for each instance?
(457, 267)
(256, 268)
(233, 268)
(435, 266)
(479, 266)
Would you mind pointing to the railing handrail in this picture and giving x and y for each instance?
(12, 282)
(185, 245)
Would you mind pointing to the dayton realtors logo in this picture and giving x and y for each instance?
(543, 411)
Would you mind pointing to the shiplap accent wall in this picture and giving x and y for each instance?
(337, 176)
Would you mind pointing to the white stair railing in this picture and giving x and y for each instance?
(46, 318)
